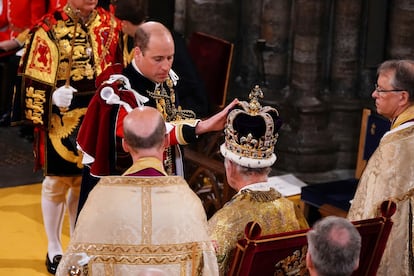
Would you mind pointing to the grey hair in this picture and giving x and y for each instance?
(334, 245)
(404, 74)
(246, 171)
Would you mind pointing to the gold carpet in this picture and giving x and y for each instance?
(23, 242)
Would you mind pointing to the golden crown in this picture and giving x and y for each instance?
(251, 133)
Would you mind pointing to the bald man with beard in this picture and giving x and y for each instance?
(143, 219)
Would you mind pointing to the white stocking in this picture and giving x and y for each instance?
(53, 213)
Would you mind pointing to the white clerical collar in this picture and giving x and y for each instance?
(260, 186)
(400, 127)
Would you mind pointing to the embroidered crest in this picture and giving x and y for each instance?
(41, 58)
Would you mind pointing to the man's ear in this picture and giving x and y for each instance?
(356, 265)
(137, 51)
(404, 98)
(125, 145)
(233, 167)
(232, 171)
(309, 263)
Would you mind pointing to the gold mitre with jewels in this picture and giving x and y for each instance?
(251, 133)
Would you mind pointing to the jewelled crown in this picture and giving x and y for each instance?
(251, 133)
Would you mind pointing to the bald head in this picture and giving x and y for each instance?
(152, 31)
(144, 128)
(154, 51)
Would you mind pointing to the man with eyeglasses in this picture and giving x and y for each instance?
(389, 172)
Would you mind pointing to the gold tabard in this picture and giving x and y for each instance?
(43, 59)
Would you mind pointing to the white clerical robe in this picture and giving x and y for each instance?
(130, 224)
(390, 174)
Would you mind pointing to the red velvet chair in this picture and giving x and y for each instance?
(212, 57)
(285, 253)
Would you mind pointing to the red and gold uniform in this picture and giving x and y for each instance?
(4, 22)
(17, 16)
(50, 62)
(64, 52)
(24, 14)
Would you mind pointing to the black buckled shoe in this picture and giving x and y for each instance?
(52, 266)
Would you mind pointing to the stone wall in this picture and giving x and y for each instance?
(314, 59)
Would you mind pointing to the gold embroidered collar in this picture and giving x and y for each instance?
(406, 116)
(145, 163)
(75, 16)
(260, 196)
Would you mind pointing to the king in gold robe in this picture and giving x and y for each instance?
(255, 202)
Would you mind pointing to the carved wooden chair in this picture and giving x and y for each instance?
(285, 253)
(204, 167)
(373, 127)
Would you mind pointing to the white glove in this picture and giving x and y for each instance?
(62, 97)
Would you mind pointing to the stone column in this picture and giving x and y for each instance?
(246, 67)
(215, 17)
(401, 36)
(180, 16)
(343, 79)
(305, 144)
(275, 30)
